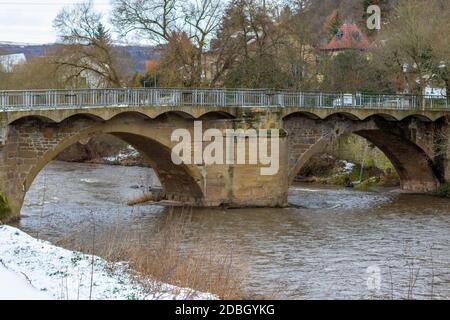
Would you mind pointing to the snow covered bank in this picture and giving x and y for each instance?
(127, 154)
(16, 287)
(35, 269)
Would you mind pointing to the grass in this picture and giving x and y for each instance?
(165, 255)
(443, 191)
(5, 209)
(328, 170)
(370, 177)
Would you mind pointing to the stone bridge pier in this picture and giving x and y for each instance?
(416, 144)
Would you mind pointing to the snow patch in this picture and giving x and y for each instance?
(345, 168)
(90, 181)
(129, 153)
(36, 269)
(14, 287)
(348, 166)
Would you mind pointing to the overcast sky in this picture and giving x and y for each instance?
(31, 21)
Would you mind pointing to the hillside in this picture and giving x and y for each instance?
(138, 54)
(352, 11)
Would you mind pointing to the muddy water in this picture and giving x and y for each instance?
(341, 244)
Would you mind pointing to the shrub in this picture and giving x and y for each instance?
(210, 267)
(5, 209)
(443, 191)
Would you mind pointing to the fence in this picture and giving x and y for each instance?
(154, 97)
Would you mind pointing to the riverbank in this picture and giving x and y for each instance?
(103, 149)
(36, 269)
(328, 170)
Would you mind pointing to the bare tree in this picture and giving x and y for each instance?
(35, 73)
(178, 65)
(87, 50)
(229, 43)
(154, 19)
(3, 73)
(410, 38)
(297, 54)
(202, 18)
(168, 21)
(250, 44)
(441, 46)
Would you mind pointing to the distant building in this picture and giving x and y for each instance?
(435, 92)
(9, 61)
(348, 37)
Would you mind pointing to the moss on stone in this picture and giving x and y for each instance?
(357, 150)
(443, 191)
(281, 133)
(5, 209)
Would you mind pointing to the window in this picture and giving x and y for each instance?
(356, 35)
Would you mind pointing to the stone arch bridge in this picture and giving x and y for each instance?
(35, 126)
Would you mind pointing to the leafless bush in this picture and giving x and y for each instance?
(204, 264)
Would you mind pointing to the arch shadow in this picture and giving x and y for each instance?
(415, 168)
(180, 182)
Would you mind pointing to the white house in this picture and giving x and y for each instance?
(435, 92)
(9, 61)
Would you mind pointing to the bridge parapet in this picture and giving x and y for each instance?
(155, 97)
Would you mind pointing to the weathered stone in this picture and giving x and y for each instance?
(35, 142)
(420, 168)
(29, 139)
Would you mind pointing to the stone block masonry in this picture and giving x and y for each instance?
(416, 144)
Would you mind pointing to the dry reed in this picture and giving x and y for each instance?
(203, 264)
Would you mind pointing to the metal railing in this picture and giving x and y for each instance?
(156, 97)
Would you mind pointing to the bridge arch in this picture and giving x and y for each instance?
(345, 115)
(176, 113)
(39, 118)
(135, 114)
(418, 117)
(414, 166)
(180, 182)
(216, 115)
(384, 116)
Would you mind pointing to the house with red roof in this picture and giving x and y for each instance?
(348, 37)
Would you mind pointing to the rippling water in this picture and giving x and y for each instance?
(339, 243)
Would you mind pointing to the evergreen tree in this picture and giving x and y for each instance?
(102, 34)
(333, 23)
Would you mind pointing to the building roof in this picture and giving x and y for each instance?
(151, 65)
(349, 37)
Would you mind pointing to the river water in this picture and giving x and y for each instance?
(339, 243)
